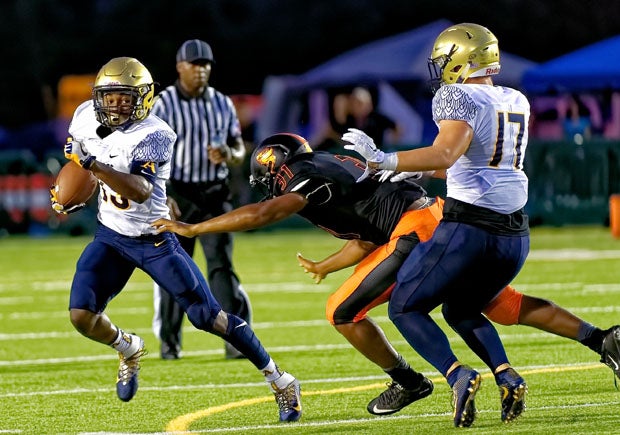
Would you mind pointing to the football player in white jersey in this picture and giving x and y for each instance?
(483, 238)
(129, 151)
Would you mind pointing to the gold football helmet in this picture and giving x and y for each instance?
(463, 51)
(123, 93)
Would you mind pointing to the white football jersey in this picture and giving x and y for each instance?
(149, 141)
(490, 173)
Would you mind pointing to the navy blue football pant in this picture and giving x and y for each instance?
(109, 260)
(199, 202)
(225, 286)
(462, 267)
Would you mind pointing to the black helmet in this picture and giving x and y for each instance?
(270, 155)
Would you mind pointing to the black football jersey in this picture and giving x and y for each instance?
(368, 210)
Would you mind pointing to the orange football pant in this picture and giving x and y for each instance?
(374, 277)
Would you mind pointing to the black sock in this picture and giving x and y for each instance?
(595, 340)
(405, 375)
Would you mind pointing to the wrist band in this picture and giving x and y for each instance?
(390, 162)
(88, 162)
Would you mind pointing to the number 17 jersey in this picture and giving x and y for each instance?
(490, 173)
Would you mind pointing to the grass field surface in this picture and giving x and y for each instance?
(54, 381)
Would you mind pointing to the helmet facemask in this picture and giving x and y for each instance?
(115, 116)
(436, 67)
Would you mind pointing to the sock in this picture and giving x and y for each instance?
(277, 378)
(404, 374)
(591, 336)
(127, 344)
(454, 375)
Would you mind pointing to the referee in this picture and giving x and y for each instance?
(208, 139)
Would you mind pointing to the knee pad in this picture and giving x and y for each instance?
(226, 325)
(202, 316)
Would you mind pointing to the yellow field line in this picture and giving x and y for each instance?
(181, 424)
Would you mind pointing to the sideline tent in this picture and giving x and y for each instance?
(560, 190)
(592, 68)
(383, 64)
(594, 72)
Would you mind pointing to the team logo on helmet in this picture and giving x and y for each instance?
(266, 157)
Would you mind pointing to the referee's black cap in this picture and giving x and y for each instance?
(193, 50)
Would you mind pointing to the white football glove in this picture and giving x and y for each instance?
(395, 177)
(74, 150)
(365, 146)
(385, 174)
(362, 144)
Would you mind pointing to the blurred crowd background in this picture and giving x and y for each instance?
(294, 65)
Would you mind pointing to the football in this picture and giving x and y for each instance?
(74, 185)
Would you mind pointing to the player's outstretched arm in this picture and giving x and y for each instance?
(177, 227)
(450, 143)
(247, 217)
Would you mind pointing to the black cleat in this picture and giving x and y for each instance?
(610, 350)
(396, 397)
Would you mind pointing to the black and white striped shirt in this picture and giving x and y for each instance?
(208, 119)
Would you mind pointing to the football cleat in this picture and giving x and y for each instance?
(610, 350)
(288, 400)
(512, 391)
(396, 397)
(127, 381)
(463, 394)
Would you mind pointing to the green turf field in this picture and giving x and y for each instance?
(52, 380)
